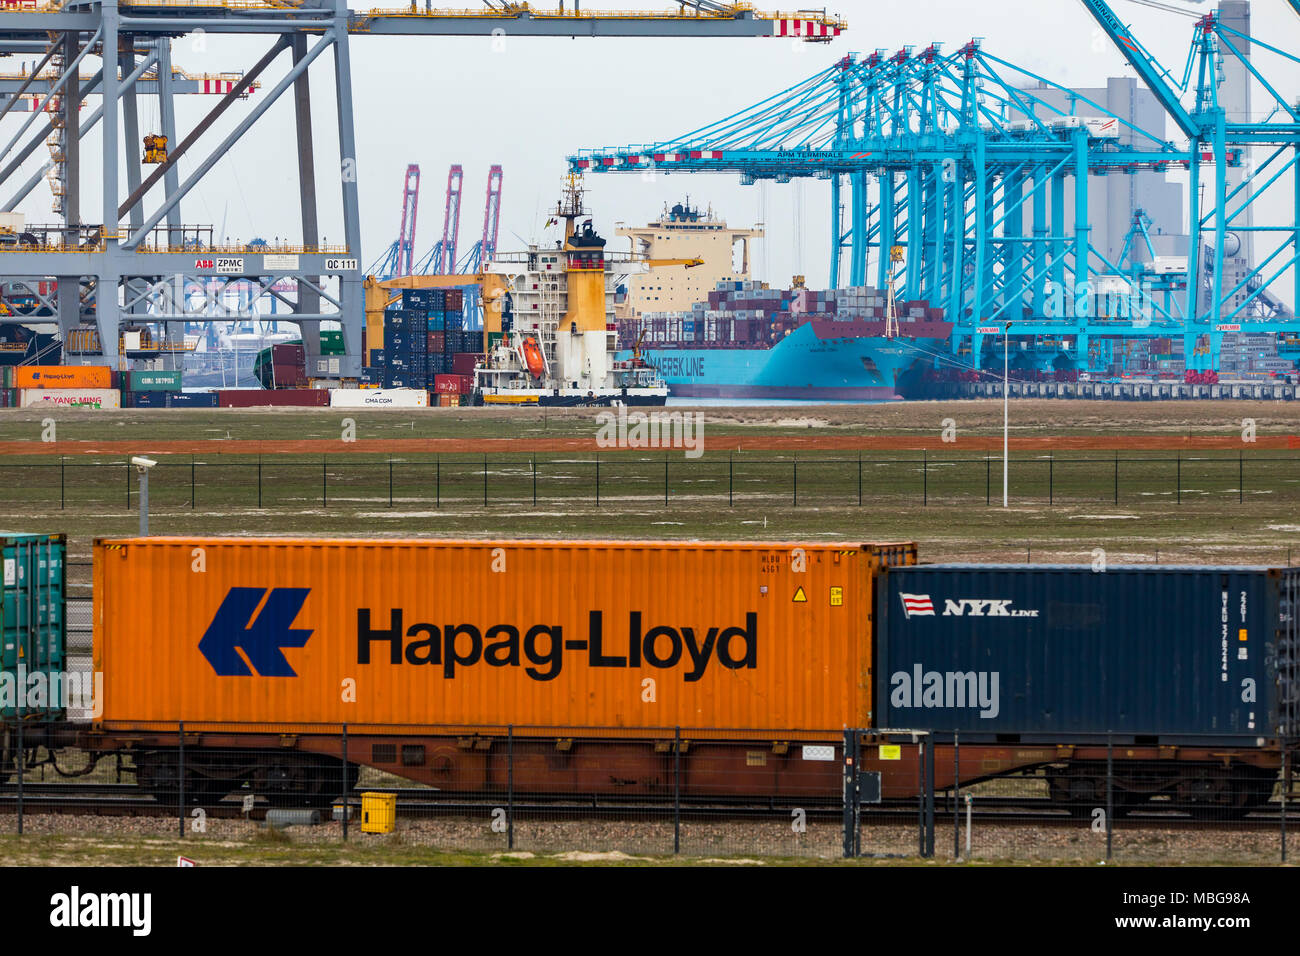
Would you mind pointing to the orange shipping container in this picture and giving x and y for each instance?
(63, 376)
(296, 632)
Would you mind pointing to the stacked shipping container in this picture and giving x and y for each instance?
(426, 347)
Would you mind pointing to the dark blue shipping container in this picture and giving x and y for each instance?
(401, 319)
(146, 399)
(423, 299)
(191, 399)
(378, 358)
(1033, 652)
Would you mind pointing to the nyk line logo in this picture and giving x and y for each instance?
(920, 605)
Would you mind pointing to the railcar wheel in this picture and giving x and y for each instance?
(158, 773)
(302, 780)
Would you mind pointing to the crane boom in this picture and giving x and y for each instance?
(694, 18)
(1146, 68)
(491, 217)
(450, 221)
(410, 205)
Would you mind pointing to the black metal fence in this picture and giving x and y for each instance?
(702, 793)
(460, 482)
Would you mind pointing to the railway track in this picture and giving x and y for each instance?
(125, 800)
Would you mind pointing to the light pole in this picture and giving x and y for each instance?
(142, 466)
(1006, 406)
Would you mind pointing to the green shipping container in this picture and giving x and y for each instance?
(156, 381)
(32, 626)
(494, 339)
(331, 342)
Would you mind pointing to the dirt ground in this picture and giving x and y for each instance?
(1035, 425)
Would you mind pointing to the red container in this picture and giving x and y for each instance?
(253, 398)
(288, 355)
(450, 384)
(437, 341)
(288, 376)
(455, 300)
(463, 363)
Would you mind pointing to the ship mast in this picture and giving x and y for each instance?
(891, 309)
(569, 207)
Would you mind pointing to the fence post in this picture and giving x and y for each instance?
(850, 783)
(437, 482)
(677, 790)
(485, 492)
(796, 484)
(62, 500)
(925, 477)
(988, 480)
(859, 479)
(510, 787)
(1051, 480)
(731, 481)
(1241, 476)
(929, 797)
(1110, 792)
(347, 795)
(127, 469)
(1178, 481)
(665, 479)
(180, 778)
(22, 763)
(324, 498)
(191, 482)
(956, 797)
(598, 481)
(259, 481)
(534, 480)
(390, 482)
(920, 797)
(1117, 476)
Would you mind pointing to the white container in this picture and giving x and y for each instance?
(70, 397)
(379, 398)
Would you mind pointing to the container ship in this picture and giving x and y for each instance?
(750, 341)
(736, 338)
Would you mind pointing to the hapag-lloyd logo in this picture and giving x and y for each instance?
(253, 628)
(541, 649)
(921, 605)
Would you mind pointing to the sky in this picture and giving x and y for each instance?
(527, 103)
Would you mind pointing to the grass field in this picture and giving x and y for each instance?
(1222, 505)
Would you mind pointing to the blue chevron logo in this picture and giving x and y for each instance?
(262, 638)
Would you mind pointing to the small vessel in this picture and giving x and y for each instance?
(551, 335)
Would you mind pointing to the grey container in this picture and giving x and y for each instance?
(1039, 652)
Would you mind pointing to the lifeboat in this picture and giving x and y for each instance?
(533, 357)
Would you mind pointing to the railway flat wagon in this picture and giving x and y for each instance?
(587, 660)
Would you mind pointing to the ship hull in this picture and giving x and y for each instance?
(810, 364)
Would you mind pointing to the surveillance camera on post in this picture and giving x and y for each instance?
(143, 464)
